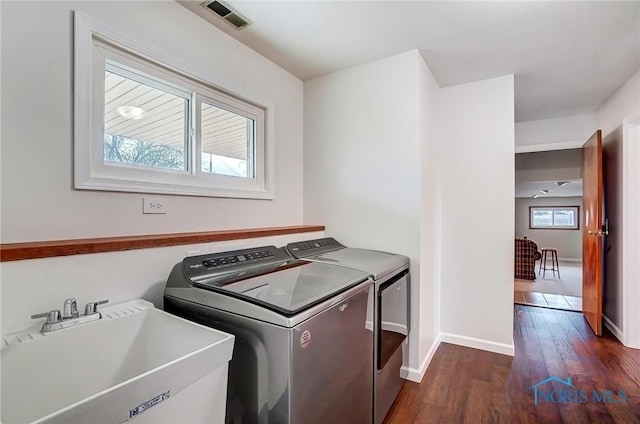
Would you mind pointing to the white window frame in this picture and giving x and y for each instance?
(131, 70)
(575, 209)
(94, 44)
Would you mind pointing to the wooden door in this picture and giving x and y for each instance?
(592, 231)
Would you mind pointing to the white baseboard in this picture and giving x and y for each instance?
(396, 328)
(613, 328)
(415, 375)
(503, 348)
(569, 260)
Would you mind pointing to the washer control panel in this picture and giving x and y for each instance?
(211, 265)
(306, 249)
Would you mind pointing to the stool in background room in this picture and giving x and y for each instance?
(555, 266)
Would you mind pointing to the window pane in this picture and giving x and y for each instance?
(144, 125)
(228, 141)
(564, 218)
(542, 218)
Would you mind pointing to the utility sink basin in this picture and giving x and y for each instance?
(133, 360)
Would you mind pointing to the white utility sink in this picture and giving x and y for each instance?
(136, 359)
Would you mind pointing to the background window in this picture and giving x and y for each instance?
(556, 217)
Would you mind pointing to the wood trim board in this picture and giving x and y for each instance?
(53, 248)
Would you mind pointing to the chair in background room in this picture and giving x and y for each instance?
(526, 254)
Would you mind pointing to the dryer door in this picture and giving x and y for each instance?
(393, 317)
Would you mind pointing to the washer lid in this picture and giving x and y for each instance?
(291, 290)
(374, 262)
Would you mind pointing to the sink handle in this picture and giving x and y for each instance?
(92, 307)
(52, 316)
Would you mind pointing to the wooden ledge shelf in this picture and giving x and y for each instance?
(53, 248)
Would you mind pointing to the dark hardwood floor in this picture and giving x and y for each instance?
(464, 385)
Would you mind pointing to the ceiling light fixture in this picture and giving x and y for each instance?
(562, 183)
(544, 191)
(131, 112)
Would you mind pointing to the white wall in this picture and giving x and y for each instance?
(568, 242)
(625, 103)
(557, 165)
(631, 270)
(362, 170)
(476, 159)
(365, 180)
(38, 202)
(430, 220)
(360, 159)
(567, 132)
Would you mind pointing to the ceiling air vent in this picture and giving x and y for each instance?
(227, 13)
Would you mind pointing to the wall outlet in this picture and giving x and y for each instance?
(154, 205)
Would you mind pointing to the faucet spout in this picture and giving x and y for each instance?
(70, 309)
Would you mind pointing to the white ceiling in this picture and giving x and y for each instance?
(529, 189)
(567, 57)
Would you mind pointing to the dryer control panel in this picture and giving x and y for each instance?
(306, 249)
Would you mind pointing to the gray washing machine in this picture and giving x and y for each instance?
(389, 308)
(303, 350)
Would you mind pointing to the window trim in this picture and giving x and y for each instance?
(89, 175)
(532, 209)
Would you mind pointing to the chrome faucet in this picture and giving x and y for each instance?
(70, 316)
(70, 308)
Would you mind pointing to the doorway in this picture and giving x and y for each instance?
(547, 204)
